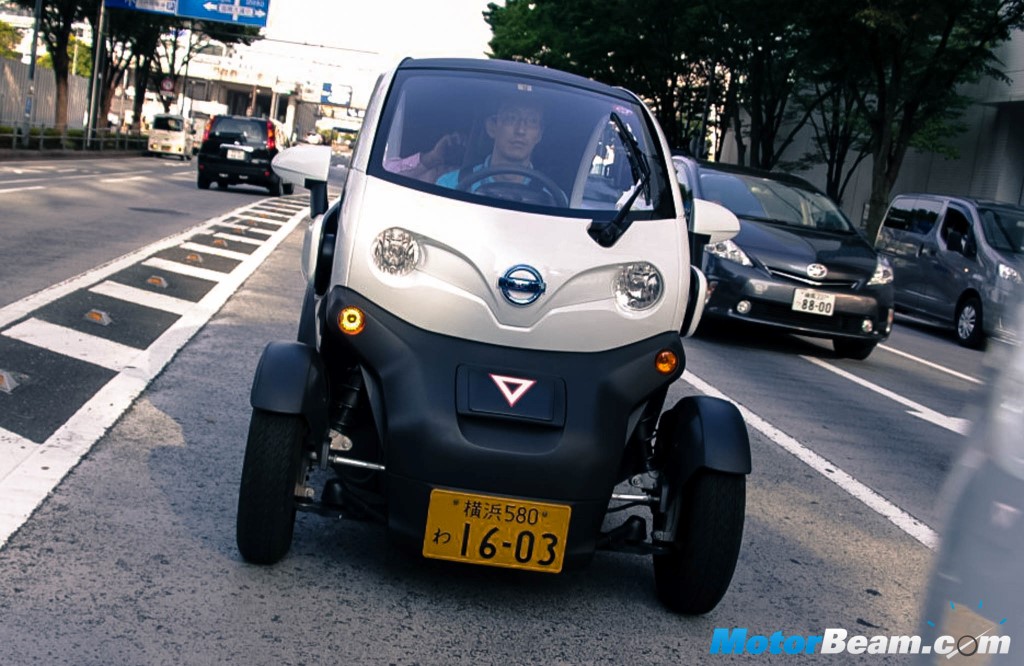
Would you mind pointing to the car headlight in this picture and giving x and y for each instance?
(638, 286)
(1010, 273)
(883, 272)
(395, 251)
(729, 251)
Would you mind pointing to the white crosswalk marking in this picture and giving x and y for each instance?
(144, 297)
(69, 342)
(216, 251)
(238, 239)
(185, 269)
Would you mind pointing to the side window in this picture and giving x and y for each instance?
(955, 222)
(926, 214)
(900, 215)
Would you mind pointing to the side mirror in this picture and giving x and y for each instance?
(306, 166)
(715, 221)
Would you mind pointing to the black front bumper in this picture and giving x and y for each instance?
(444, 422)
(771, 304)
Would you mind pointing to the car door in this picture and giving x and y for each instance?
(949, 271)
(903, 238)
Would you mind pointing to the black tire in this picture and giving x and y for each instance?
(694, 577)
(276, 188)
(222, 184)
(289, 188)
(266, 498)
(855, 349)
(968, 323)
(203, 183)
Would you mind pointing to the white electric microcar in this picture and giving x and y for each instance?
(495, 310)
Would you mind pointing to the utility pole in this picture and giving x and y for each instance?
(98, 43)
(31, 96)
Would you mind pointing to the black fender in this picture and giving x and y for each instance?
(699, 432)
(290, 379)
(702, 432)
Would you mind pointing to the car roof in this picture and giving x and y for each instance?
(788, 179)
(971, 201)
(515, 69)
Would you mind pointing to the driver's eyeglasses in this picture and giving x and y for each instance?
(529, 121)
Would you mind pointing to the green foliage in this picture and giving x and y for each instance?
(10, 37)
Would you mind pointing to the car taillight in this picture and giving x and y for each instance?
(271, 138)
(206, 130)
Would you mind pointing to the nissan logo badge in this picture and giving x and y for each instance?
(521, 285)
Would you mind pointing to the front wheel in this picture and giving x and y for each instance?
(270, 474)
(969, 331)
(694, 576)
(855, 349)
(203, 182)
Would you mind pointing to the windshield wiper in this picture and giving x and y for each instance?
(607, 233)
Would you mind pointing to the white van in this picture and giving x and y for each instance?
(171, 135)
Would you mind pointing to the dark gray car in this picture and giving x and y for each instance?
(957, 261)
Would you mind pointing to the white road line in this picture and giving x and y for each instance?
(123, 180)
(69, 342)
(261, 220)
(38, 474)
(185, 269)
(12, 449)
(238, 239)
(897, 516)
(216, 251)
(50, 179)
(951, 423)
(934, 366)
(22, 189)
(144, 297)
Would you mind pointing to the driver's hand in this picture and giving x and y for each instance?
(447, 151)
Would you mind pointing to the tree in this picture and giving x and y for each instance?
(57, 21)
(79, 55)
(913, 56)
(10, 37)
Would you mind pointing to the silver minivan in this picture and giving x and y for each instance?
(957, 261)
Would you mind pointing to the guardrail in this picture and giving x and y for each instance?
(43, 139)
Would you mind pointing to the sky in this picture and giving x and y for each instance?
(361, 38)
(390, 28)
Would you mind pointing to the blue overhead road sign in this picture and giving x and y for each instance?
(244, 12)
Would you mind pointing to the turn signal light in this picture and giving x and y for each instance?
(351, 321)
(666, 362)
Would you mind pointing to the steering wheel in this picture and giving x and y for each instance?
(537, 184)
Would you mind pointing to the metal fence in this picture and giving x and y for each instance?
(14, 88)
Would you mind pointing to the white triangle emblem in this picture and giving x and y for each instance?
(513, 388)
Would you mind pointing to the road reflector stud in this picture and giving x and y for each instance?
(193, 258)
(98, 317)
(157, 281)
(220, 242)
(8, 382)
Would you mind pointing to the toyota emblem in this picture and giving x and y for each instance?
(817, 271)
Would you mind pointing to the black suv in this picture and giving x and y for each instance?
(238, 150)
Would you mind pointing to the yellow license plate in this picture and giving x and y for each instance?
(496, 531)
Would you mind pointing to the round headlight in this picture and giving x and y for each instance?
(638, 286)
(395, 251)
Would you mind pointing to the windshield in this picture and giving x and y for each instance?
(768, 200)
(506, 141)
(1003, 228)
(168, 123)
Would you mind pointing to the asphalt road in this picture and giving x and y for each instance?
(131, 559)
